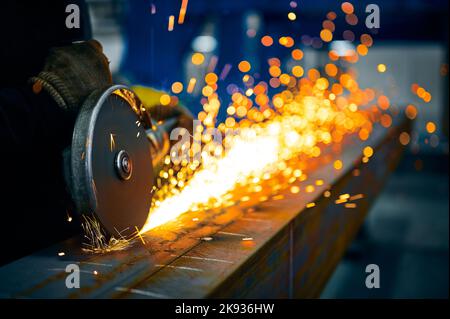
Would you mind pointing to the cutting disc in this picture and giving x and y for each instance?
(111, 164)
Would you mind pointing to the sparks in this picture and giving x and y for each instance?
(171, 23)
(268, 135)
(140, 236)
(301, 127)
(191, 85)
(112, 142)
(182, 13)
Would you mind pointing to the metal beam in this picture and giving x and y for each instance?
(277, 248)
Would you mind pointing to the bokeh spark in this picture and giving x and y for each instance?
(305, 113)
(273, 128)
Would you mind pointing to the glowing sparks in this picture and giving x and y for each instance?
(404, 138)
(411, 112)
(239, 164)
(183, 9)
(319, 182)
(421, 92)
(267, 135)
(112, 142)
(301, 125)
(297, 54)
(344, 196)
(171, 23)
(347, 8)
(267, 41)
(191, 85)
(337, 164)
(244, 66)
(96, 241)
(292, 16)
(326, 35)
(431, 127)
(164, 99)
(356, 197)
(270, 137)
(177, 87)
(226, 69)
(295, 189)
(368, 151)
(139, 235)
(197, 58)
(340, 200)
(282, 138)
(212, 63)
(381, 68)
(297, 71)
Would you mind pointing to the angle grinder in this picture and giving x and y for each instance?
(109, 168)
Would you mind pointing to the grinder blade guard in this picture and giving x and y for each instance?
(109, 169)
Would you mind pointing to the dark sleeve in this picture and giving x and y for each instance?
(33, 198)
(26, 118)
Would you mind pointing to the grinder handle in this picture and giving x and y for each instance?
(158, 135)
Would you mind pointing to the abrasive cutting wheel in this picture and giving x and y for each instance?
(111, 166)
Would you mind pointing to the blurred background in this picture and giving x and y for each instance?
(406, 233)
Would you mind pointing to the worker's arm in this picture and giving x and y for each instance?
(33, 133)
(28, 119)
(36, 125)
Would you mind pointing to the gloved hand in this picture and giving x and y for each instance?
(73, 72)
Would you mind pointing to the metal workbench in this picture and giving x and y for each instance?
(277, 248)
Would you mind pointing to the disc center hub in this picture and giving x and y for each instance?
(123, 165)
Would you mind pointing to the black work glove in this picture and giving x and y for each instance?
(73, 72)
